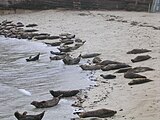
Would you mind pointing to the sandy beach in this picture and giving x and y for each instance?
(111, 34)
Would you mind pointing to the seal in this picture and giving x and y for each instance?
(57, 57)
(139, 81)
(48, 103)
(109, 76)
(96, 60)
(65, 49)
(140, 58)
(101, 113)
(68, 60)
(33, 58)
(140, 69)
(123, 70)
(57, 53)
(132, 75)
(64, 93)
(90, 55)
(31, 25)
(107, 62)
(91, 67)
(53, 43)
(138, 51)
(114, 66)
(24, 116)
(30, 30)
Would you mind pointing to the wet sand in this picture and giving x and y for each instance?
(112, 39)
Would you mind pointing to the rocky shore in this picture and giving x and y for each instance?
(112, 34)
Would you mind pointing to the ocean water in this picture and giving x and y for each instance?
(37, 78)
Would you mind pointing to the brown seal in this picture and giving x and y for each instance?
(137, 51)
(114, 66)
(90, 55)
(140, 69)
(141, 58)
(65, 93)
(132, 75)
(91, 67)
(139, 81)
(48, 103)
(68, 60)
(101, 113)
(109, 76)
(24, 116)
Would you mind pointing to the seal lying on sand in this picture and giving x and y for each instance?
(31, 25)
(57, 53)
(137, 51)
(53, 43)
(114, 66)
(91, 67)
(139, 81)
(140, 69)
(109, 76)
(48, 103)
(65, 49)
(57, 57)
(96, 60)
(141, 58)
(123, 70)
(107, 62)
(68, 60)
(64, 93)
(33, 58)
(24, 116)
(101, 113)
(132, 75)
(90, 55)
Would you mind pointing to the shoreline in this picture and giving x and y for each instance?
(112, 39)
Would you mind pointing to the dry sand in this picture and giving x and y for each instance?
(112, 39)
